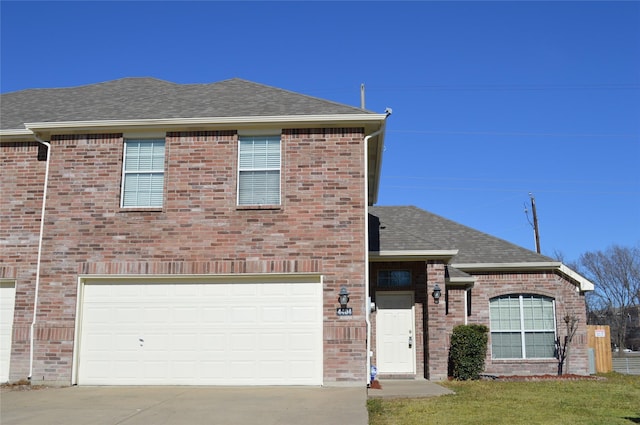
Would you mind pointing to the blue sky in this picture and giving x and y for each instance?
(491, 100)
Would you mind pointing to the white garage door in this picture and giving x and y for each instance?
(214, 333)
(7, 302)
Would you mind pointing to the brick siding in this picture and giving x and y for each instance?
(318, 228)
(435, 322)
(568, 301)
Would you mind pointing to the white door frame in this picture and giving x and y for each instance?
(411, 295)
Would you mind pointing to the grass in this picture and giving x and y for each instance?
(615, 400)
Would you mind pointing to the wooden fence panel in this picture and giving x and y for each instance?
(599, 338)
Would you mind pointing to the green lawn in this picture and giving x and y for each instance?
(615, 400)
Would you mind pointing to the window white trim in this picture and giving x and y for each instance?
(524, 329)
(259, 179)
(153, 172)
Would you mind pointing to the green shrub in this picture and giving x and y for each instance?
(467, 352)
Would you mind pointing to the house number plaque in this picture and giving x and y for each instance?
(346, 311)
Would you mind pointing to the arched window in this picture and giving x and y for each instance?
(522, 327)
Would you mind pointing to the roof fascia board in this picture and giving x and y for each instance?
(462, 279)
(17, 135)
(387, 256)
(378, 172)
(543, 265)
(207, 122)
(463, 282)
(583, 283)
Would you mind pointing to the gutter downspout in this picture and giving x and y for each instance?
(35, 295)
(366, 245)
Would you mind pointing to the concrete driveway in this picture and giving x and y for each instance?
(184, 406)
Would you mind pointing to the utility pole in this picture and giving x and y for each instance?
(535, 222)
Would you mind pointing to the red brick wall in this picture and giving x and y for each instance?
(436, 321)
(568, 301)
(319, 227)
(439, 325)
(21, 184)
(418, 277)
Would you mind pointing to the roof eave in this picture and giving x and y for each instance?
(585, 284)
(540, 265)
(581, 282)
(16, 135)
(464, 282)
(374, 185)
(371, 120)
(418, 255)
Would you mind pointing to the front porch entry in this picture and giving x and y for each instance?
(395, 333)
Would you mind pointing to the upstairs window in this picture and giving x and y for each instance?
(259, 170)
(522, 327)
(143, 173)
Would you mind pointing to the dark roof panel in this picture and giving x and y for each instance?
(150, 98)
(408, 228)
(452, 272)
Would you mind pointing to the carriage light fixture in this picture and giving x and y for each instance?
(343, 297)
(436, 294)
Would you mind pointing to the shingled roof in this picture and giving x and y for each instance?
(408, 228)
(150, 98)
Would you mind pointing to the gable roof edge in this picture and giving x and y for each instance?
(433, 254)
(203, 121)
(582, 283)
(17, 135)
(585, 284)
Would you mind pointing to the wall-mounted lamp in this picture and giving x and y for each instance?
(436, 294)
(343, 297)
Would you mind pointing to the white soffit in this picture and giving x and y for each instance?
(206, 122)
(410, 255)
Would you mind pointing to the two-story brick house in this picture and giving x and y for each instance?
(155, 233)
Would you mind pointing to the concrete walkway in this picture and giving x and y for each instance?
(407, 388)
(184, 405)
(202, 405)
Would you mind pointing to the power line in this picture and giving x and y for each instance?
(372, 88)
(535, 181)
(485, 189)
(506, 87)
(514, 134)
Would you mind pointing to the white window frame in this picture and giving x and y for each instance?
(523, 330)
(151, 171)
(245, 138)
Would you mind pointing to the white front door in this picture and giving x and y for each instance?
(395, 333)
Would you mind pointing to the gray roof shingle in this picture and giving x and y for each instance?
(408, 228)
(451, 272)
(150, 98)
